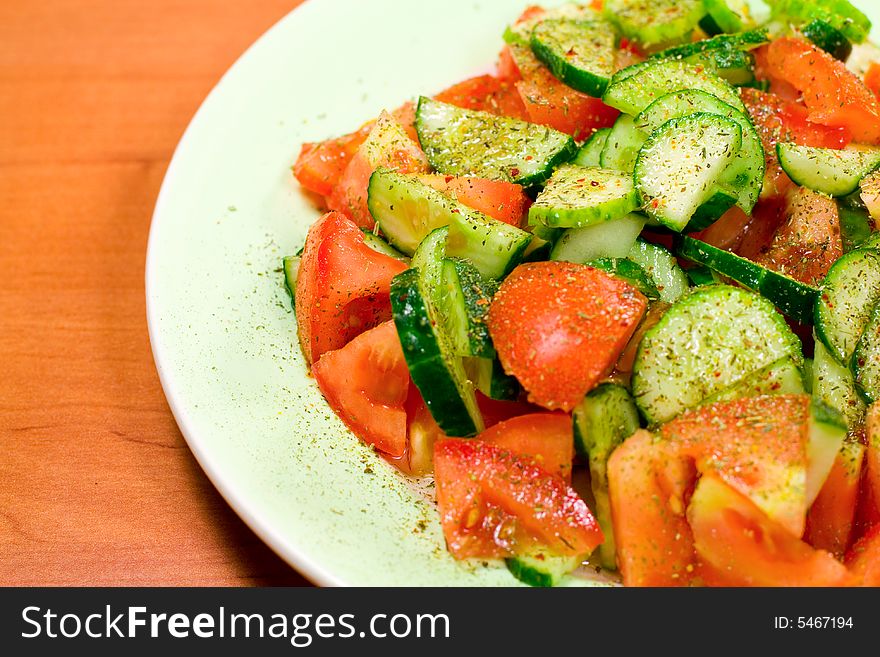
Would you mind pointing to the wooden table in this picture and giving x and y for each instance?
(97, 486)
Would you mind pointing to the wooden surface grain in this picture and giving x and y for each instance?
(97, 486)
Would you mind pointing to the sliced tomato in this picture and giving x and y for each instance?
(560, 327)
(499, 199)
(494, 503)
(486, 93)
(496, 410)
(869, 505)
(342, 288)
(366, 383)
(808, 241)
(831, 517)
(872, 78)
(726, 233)
(649, 484)
(386, 146)
(863, 560)
(757, 445)
(546, 437)
(766, 219)
(833, 94)
(624, 365)
(779, 120)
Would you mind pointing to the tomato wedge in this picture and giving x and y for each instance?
(833, 94)
(869, 511)
(546, 437)
(744, 547)
(649, 483)
(499, 199)
(371, 396)
(756, 445)
(486, 93)
(872, 78)
(559, 327)
(831, 517)
(494, 503)
(863, 559)
(342, 288)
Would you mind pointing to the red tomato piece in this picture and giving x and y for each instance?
(386, 146)
(767, 217)
(756, 445)
(546, 437)
(649, 483)
(727, 231)
(486, 93)
(559, 328)
(494, 503)
(366, 383)
(342, 288)
(744, 547)
(831, 517)
(833, 94)
(780, 120)
(872, 78)
(495, 410)
(869, 511)
(863, 560)
(499, 199)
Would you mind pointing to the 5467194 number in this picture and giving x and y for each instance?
(813, 622)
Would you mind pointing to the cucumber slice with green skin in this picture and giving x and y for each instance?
(702, 275)
(840, 14)
(462, 142)
(791, 297)
(707, 342)
(464, 297)
(783, 377)
(669, 279)
(580, 53)
(290, 267)
(856, 227)
(612, 239)
(726, 53)
(622, 145)
(828, 38)
(437, 372)
(827, 433)
(630, 272)
(590, 153)
(378, 244)
(728, 15)
(582, 196)
(873, 242)
(833, 384)
(746, 173)
(428, 259)
(491, 379)
(866, 359)
(542, 568)
(521, 32)
(679, 169)
(651, 80)
(654, 22)
(603, 420)
(827, 170)
(407, 210)
(847, 297)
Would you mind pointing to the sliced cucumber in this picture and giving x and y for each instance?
(833, 385)
(654, 22)
(707, 342)
(827, 432)
(378, 244)
(630, 272)
(541, 568)
(702, 275)
(437, 372)
(840, 14)
(605, 418)
(290, 267)
(669, 279)
(828, 38)
(406, 209)
(428, 259)
(727, 16)
(679, 169)
(855, 227)
(746, 173)
(520, 33)
(727, 54)
(491, 379)
(590, 153)
(622, 145)
(612, 239)
(582, 196)
(783, 377)
(846, 301)
(580, 53)
(866, 359)
(649, 81)
(464, 299)
(827, 170)
(462, 142)
(791, 297)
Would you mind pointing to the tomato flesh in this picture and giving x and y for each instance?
(649, 483)
(546, 437)
(498, 199)
(831, 517)
(342, 288)
(370, 398)
(734, 538)
(863, 560)
(559, 328)
(486, 93)
(494, 503)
